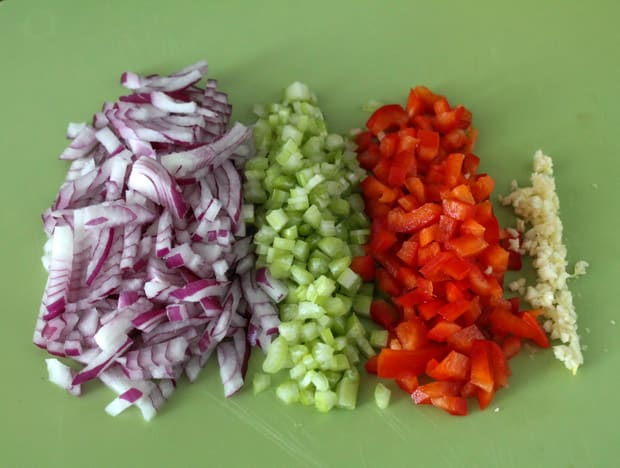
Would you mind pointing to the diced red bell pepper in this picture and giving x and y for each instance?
(408, 252)
(433, 266)
(472, 227)
(538, 334)
(384, 314)
(381, 240)
(391, 116)
(408, 202)
(455, 405)
(407, 278)
(484, 397)
(364, 266)
(373, 188)
(388, 145)
(454, 291)
(428, 234)
(442, 330)
(456, 268)
(408, 382)
(369, 157)
(427, 253)
(470, 316)
(387, 283)
(499, 364)
(415, 297)
(416, 188)
(392, 363)
(412, 334)
(455, 366)
(371, 364)
(463, 340)
(428, 146)
(427, 97)
(511, 346)
(482, 187)
(363, 140)
(415, 105)
(483, 285)
(453, 310)
(466, 245)
(403, 165)
(470, 164)
(400, 221)
(495, 257)
(463, 193)
(481, 370)
(382, 170)
(458, 209)
(455, 140)
(436, 389)
(407, 141)
(428, 310)
(447, 227)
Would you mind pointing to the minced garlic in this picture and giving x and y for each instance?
(538, 207)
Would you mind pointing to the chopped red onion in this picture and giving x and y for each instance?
(150, 269)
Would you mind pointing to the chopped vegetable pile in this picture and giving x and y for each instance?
(438, 253)
(150, 268)
(309, 219)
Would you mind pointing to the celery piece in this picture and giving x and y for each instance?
(382, 396)
(325, 401)
(288, 392)
(379, 338)
(260, 382)
(277, 219)
(277, 355)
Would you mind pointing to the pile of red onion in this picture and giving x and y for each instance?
(150, 268)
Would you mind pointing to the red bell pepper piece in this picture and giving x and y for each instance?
(412, 334)
(394, 362)
(400, 221)
(408, 382)
(436, 389)
(387, 117)
(455, 366)
(364, 266)
(463, 340)
(467, 245)
(443, 330)
(384, 314)
(481, 370)
(371, 364)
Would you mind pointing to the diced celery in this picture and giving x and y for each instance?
(306, 397)
(340, 342)
(334, 141)
(298, 92)
(288, 311)
(327, 227)
(320, 382)
(339, 265)
(365, 346)
(339, 362)
(277, 356)
(355, 329)
(339, 207)
(288, 392)
(290, 233)
(324, 286)
(290, 331)
(309, 331)
(347, 391)
(322, 352)
(310, 310)
(277, 219)
(359, 236)
(325, 401)
(379, 338)
(349, 280)
(301, 275)
(301, 250)
(312, 216)
(298, 352)
(283, 244)
(331, 246)
(297, 372)
(361, 304)
(327, 336)
(382, 396)
(260, 382)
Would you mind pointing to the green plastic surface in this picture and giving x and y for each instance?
(536, 74)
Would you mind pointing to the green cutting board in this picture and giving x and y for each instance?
(536, 74)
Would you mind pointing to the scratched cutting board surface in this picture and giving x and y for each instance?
(535, 74)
